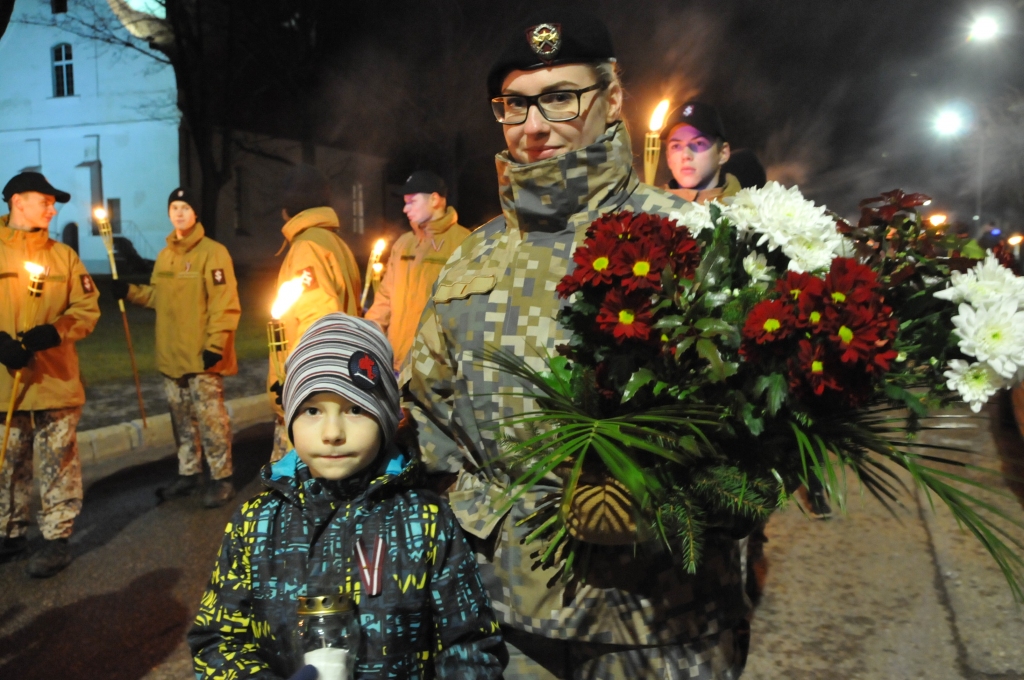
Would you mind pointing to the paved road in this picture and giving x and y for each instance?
(865, 596)
(120, 611)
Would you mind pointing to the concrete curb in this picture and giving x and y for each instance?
(106, 444)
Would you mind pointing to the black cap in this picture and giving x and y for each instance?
(744, 166)
(305, 187)
(704, 117)
(184, 195)
(560, 35)
(33, 181)
(422, 182)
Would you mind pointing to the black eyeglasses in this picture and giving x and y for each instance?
(556, 107)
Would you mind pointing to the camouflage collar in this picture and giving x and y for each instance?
(568, 191)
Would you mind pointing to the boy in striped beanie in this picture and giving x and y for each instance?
(338, 514)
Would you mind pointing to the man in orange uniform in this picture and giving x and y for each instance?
(416, 260)
(50, 398)
(317, 254)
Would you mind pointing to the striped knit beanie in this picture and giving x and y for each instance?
(349, 356)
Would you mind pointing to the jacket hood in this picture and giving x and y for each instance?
(442, 223)
(189, 242)
(292, 478)
(570, 190)
(323, 217)
(17, 238)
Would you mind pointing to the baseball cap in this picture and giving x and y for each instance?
(422, 182)
(33, 181)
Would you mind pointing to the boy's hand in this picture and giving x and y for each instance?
(306, 673)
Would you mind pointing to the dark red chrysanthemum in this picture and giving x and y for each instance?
(625, 316)
(849, 281)
(593, 266)
(639, 264)
(769, 321)
(811, 369)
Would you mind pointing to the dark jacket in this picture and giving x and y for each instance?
(432, 617)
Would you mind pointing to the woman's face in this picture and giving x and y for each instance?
(537, 138)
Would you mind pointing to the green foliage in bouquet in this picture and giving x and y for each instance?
(720, 359)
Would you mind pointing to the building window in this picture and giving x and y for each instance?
(59, 6)
(114, 214)
(63, 71)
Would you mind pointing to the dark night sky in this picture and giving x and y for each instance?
(837, 96)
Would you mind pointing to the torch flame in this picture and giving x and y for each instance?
(377, 267)
(34, 270)
(1015, 240)
(378, 248)
(658, 117)
(100, 214)
(287, 294)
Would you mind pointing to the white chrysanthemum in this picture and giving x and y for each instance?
(785, 220)
(756, 267)
(975, 383)
(984, 284)
(694, 216)
(993, 334)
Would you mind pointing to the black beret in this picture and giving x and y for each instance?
(422, 182)
(33, 181)
(559, 35)
(704, 117)
(305, 187)
(185, 196)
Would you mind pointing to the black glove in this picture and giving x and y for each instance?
(306, 673)
(12, 354)
(279, 391)
(210, 359)
(119, 288)
(43, 336)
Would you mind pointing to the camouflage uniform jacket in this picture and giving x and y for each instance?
(498, 291)
(432, 616)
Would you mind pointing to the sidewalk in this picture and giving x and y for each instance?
(870, 596)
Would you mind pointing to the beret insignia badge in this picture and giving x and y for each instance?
(545, 40)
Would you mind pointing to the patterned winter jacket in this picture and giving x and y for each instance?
(498, 291)
(432, 617)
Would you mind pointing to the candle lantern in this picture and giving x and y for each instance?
(277, 342)
(374, 268)
(107, 235)
(652, 142)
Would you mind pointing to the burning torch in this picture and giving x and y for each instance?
(287, 294)
(652, 141)
(373, 268)
(107, 234)
(36, 279)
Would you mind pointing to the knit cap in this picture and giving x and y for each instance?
(349, 356)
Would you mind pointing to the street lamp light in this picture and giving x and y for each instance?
(983, 29)
(949, 123)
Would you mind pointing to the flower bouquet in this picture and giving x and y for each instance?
(721, 358)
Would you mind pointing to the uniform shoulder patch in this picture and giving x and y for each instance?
(308, 277)
(219, 279)
(87, 285)
(364, 370)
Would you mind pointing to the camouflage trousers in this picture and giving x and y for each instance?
(201, 423)
(716, 657)
(52, 436)
(282, 444)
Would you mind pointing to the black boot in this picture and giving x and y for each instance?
(9, 547)
(184, 485)
(50, 559)
(218, 493)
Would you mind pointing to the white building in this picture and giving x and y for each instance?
(98, 120)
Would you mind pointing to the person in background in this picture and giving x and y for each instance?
(695, 151)
(51, 395)
(195, 294)
(416, 259)
(744, 165)
(317, 254)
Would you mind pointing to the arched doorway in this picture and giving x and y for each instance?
(69, 236)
